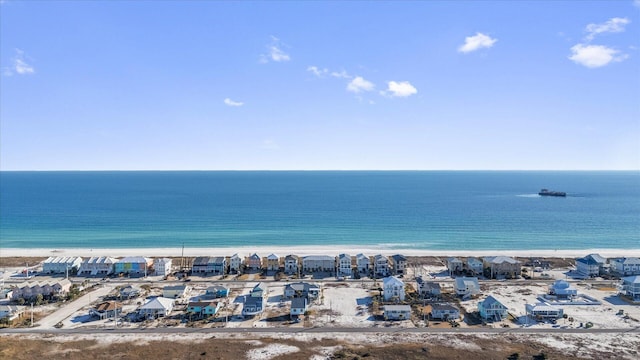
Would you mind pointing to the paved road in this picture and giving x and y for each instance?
(173, 330)
(69, 309)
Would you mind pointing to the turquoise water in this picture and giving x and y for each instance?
(437, 210)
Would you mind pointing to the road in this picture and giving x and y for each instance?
(70, 308)
(174, 330)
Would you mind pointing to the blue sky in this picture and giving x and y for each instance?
(145, 85)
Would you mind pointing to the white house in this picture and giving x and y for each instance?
(543, 311)
(272, 262)
(97, 266)
(444, 312)
(474, 265)
(630, 286)
(291, 264)
(363, 263)
(454, 265)
(162, 266)
(344, 265)
(502, 266)
(11, 312)
(393, 288)
(397, 312)
(466, 286)
(61, 264)
(380, 265)
(156, 307)
(175, 291)
(298, 306)
(626, 266)
(562, 290)
(313, 263)
(235, 263)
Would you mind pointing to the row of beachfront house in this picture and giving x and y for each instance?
(343, 265)
(490, 266)
(595, 265)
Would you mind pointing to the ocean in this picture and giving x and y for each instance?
(439, 210)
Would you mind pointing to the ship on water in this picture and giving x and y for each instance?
(547, 192)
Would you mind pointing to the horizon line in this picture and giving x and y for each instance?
(314, 170)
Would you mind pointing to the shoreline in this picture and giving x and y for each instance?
(306, 250)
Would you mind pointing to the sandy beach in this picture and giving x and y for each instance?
(304, 250)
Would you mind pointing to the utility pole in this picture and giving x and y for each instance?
(31, 314)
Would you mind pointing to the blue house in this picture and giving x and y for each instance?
(203, 308)
(491, 309)
(216, 291)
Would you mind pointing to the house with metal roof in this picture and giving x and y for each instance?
(491, 309)
(214, 265)
(502, 266)
(61, 264)
(562, 290)
(543, 311)
(398, 264)
(626, 266)
(444, 312)
(393, 289)
(590, 265)
(630, 286)
(97, 266)
(396, 312)
(156, 307)
(466, 286)
(318, 263)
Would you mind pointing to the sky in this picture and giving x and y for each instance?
(430, 85)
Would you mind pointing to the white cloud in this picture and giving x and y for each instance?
(476, 42)
(358, 85)
(400, 89)
(594, 56)
(19, 65)
(275, 52)
(613, 25)
(341, 74)
(230, 102)
(269, 144)
(317, 71)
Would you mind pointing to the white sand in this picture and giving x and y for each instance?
(307, 250)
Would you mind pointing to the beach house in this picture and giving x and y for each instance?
(129, 292)
(473, 266)
(252, 306)
(491, 309)
(11, 313)
(380, 266)
(61, 265)
(235, 264)
(396, 312)
(444, 312)
(106, 310)
(259, 290)
(454, 266)
(271, 263)
(502, 266)
(428, 289)
(209, 265)
(175, 291)
(363, 263)
(156, 307)
(302, 289)
(625, 266)
(298, 306)
(133, 266)
(253, 262)
(398, 264)
(162, 266)
(562, 290)
(47, 289)
(630, 287)
(344, 265)
(216, 291)
(291, 264)
(203, 308)
(590, 265)
(318, 263)
(466, 286)
(97, 266)
(543, 311)
(393, 289)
